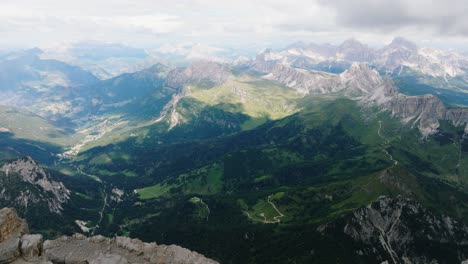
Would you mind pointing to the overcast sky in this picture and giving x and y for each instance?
(151, 23)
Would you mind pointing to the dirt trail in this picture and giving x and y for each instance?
(276, 219)
(385, 146)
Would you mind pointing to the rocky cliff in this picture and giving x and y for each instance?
(24, 184)
(400, 230)
(18, 246)
(205, 72)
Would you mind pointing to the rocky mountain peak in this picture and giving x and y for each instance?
(352, 43)
(353, 50)
(202, 71)
(29, 171)
(27, 168)
(326, 50)
(400, 42)
(362, 78)
(207, 70)
(360, 68)
(387, 226)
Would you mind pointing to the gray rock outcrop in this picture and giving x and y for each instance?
(199, 72)
(44, 190)
(394, 228)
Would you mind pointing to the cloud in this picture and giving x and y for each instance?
(157, 24)
(151, 23)
(445, 17)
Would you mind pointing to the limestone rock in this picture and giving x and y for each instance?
(9, 250)
(388, 227)
(31, 246)
(109, 259)
(11, 226)
(52, 193)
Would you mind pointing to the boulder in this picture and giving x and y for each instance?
(11, 225)
(9, 250)
(31, 246)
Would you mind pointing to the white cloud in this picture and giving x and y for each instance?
(152, 23)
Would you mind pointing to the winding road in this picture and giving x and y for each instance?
(104, 205)
(460, 151)
(101, 214)
(385, 146)
(265, 221)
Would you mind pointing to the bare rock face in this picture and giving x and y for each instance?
(422, 111)
(31, 246)
(30, 172)
(306, 82)
(354, 50)
(16, 246)
(199, 72)
(425, 112)
(358, 81)
(9, 250)
(394, 228)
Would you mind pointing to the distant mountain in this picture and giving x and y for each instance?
(140, 94)
(27, 69)
(43, 85)
(98, 51)
(391, 58)
(436, 63)
(104, 60)
(353, 50)
(416, 70)
(183, 54)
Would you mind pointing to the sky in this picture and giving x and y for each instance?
(152, 23)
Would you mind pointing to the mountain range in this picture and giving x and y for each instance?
(327, 153)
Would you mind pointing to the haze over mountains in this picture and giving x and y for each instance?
(332, 153)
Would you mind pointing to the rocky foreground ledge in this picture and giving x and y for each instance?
(18, 246)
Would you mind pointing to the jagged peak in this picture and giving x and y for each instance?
(265, 51)
(352, 42)
(298, 44)
(203, 68)
(402, 42)
(29, 171)
(18, 165)
(204, 63)
(360, 68)
(158, 66)
(198, 71)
